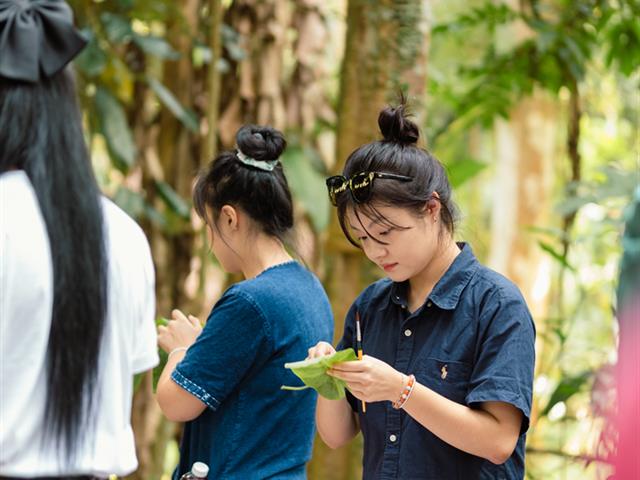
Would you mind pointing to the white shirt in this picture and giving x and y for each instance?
(26, 297)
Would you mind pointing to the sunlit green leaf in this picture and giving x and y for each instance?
(186, 116)
(92, 60)
(157, 371)
(567, 387)
(156, 46)
(463, 170)
(556, 255)
(174, 201)
(307, 185)
(117, 27)
(115, 128)
(314, 375)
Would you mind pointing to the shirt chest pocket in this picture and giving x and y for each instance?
(448, 378)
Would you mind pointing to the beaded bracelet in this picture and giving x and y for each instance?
(406, 393)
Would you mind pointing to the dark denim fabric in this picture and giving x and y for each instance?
(252, 429)
(472, 341)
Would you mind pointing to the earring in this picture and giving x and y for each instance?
(435, 219)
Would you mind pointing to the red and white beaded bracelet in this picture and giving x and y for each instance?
(406, 393)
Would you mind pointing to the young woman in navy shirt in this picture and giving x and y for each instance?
(447, 374)
(224, 380)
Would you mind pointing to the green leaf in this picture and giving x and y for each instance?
(157, 371)
(174, 201)
(568, 387)
(186, 116)
(156, 46)
(92, 60)
(137, 207)
(118, 28)
(307, 185)
(463, 170)
(556, 255)
(314, 374)
(115, 128)
(574, 203)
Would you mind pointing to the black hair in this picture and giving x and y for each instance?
(264, 195)
(41, 134)
(397, 153)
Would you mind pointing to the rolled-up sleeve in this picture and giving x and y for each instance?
(504, 366)
(235, 341)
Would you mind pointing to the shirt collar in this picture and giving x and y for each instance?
(446, 293)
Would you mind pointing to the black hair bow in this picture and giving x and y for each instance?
(37, 37)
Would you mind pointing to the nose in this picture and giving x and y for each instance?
(376, 252)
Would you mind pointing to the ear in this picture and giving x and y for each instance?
(432, 207)
(228, 218)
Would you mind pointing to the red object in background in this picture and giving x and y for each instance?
(627, 460)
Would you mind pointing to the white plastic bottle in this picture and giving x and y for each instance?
(199, 471)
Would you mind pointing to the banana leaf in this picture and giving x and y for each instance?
(313, 373)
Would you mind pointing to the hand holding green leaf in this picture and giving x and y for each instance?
(313, 372)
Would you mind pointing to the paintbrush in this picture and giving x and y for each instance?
(359, 349)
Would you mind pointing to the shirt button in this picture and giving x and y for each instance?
(428, 304)
(407, 333)
(393, 438)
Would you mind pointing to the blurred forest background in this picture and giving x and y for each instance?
(533, 106)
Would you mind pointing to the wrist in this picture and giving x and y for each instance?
(396, 385)
(176, 350)
(405, 393)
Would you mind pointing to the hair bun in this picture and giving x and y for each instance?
(396, 126)
(260, 143)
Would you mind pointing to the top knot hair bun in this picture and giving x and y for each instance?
(396, 127)
(260, 143)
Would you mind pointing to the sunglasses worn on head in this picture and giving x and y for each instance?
(359, 185)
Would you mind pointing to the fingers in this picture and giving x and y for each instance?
(192, 320)
(321, 349)
(178, 315)
(355, 366)
(195, 321)
(352, 378)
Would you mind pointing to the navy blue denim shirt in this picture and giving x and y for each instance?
(252, 429)
(472, 341)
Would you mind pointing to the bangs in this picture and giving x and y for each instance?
(370, 211)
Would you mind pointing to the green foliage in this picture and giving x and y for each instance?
(174, 201)
(556, 255)
(313, 373)
(462, 170)
(186, 116)
(113, 63)
(568, 386)
(157, 371)
(136, 206)
(563, 42)
(113, 125)
(307, 184)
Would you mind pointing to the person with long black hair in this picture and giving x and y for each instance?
(77, 299)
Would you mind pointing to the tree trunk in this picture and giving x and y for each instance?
(525, 152)
(253, 86)
(174, 159)
(526, 148)
(385, 50)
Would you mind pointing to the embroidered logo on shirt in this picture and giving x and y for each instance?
(444, 372)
